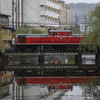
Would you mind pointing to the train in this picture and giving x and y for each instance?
(54, 39)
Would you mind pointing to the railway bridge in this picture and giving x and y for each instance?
(72, 62)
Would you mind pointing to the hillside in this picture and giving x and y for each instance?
(80, 9)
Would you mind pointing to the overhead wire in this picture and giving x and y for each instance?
(33, 22)
(27, 17)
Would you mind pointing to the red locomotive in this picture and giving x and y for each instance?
(54, 39)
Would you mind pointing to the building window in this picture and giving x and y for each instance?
(8, 31)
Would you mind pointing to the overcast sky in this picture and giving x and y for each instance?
(82, 1)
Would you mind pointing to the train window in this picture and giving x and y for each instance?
(54, 33)
(21, 39)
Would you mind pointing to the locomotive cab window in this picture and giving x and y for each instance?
(54, 33)
(21, 39)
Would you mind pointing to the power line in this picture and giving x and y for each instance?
(24, 15)
(31, 6)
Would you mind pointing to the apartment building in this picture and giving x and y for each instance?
(38, 13)
(64, 15)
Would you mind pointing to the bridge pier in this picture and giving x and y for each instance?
(98, 60)
(41, 60)
(3, 62)
(78, 60)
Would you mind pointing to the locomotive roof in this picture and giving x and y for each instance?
(60, 30)
(31, 34)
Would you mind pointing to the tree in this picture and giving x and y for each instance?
(25, 29)
(91, 89)
(93, 36)
(38, 31)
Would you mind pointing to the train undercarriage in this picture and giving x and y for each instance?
(57, 72)
(53, 47)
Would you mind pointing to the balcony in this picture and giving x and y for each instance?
(50, 4)
(48, 13)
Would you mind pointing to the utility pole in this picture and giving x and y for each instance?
(85, 23)
(76, 20)
(13, 13)
(16, 13)
(13, 89)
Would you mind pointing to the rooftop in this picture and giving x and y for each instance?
(1, 13)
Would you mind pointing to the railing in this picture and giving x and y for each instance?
(51, 4)
(49, 13)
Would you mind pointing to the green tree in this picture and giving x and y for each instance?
(25, 29)
(38, 31)
(93, 36)
(91, 89)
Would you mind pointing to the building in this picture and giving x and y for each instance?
(5, 80)
(5, 77)
(84, 28)
(39, 13)
(6, 28)
(4, 24)
(64, 15)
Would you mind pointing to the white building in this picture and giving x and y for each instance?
(41, 13)
(84, 28)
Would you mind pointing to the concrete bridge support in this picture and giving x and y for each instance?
(41, 60)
